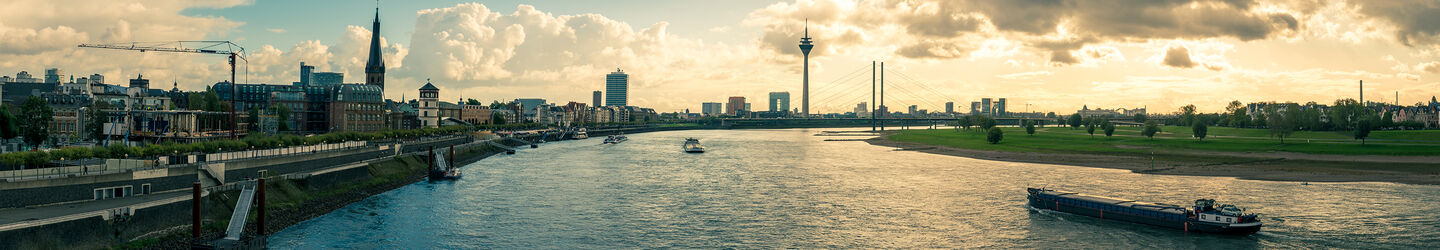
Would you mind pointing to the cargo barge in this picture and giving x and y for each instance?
(1204, 217)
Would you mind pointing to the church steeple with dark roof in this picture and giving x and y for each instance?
(375, 66)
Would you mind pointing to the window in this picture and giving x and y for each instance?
(99, 194)
(145, 188)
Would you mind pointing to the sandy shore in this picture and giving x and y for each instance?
(1265, 166)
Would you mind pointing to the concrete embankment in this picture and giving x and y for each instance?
(290, 202)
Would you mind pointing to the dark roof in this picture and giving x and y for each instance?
(429, 86)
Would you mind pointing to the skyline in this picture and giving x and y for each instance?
(1057, 59)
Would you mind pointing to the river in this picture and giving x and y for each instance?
(790, 189)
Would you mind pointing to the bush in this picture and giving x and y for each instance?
(994, 136)
(1030, 128)
(1150, 129)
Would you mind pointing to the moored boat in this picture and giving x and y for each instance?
(581, 134)
(1205, 216)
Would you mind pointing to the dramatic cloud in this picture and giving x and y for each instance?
(1417, 22)
(1178, 57)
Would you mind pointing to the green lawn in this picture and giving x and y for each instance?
(1066, 140)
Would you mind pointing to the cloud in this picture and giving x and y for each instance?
(276, 30)
(1178, 57)
(1430, 67)
(1025, 75)
(1416, 22)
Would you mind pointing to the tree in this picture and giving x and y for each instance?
(1150, 129)
(497, 105)
(1238, 118)
(95, 119)
(1281, 122)
(35, 118)
(9, 124)
(1075, 121)
(195, 101)
(1109, 128)
(1141, 117)
(1387, 120)
(1187, 115)
(497, 119)
(282, 116)
(254, 119)
(1362, 131)
(986, 122)
(1345, 113)
(965, 122)
(1030, 128)
(1090, 127)
(994, 136)
(1199, 130)
(473, 102)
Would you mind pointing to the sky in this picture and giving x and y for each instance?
(1045, 56)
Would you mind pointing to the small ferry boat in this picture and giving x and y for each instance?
(581, 134)
(615, 139)
(1205, 216)
(692, 145)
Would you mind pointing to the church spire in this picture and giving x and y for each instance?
(375, 65)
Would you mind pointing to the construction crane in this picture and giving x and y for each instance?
(200, 47)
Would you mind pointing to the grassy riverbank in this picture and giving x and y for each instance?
(1244, 153)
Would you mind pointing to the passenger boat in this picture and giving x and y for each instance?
(581, 134)
(1205, 216)
(615, 139)
(692, 145)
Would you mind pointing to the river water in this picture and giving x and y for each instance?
(788, 188)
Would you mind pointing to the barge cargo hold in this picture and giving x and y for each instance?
(1203, 217)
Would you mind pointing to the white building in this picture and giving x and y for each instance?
(429, 107)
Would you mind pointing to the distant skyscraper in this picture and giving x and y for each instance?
(616, 86)
(712, 109)
(1000, 107)
(375, 66)
(54, 75)
(734, 105)
(595, 99)
(862, 110)
(913, 109)
(949, 107)
(805, 46)
(97, 79)
(779, 101)
(305, 74)
(985, 107)
(974, 108)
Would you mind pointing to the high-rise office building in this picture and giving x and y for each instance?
(54, 75)
(735, 105)
(913, 109)
(712, 109)
(949, 107)
(974, 108)
(305, 74)
(595, 99)
(326, 78)
(616, 86)
(779, 101)
(1000, 108)
(985, 107)
(862, 110)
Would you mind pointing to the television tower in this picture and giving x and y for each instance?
(805, 46)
